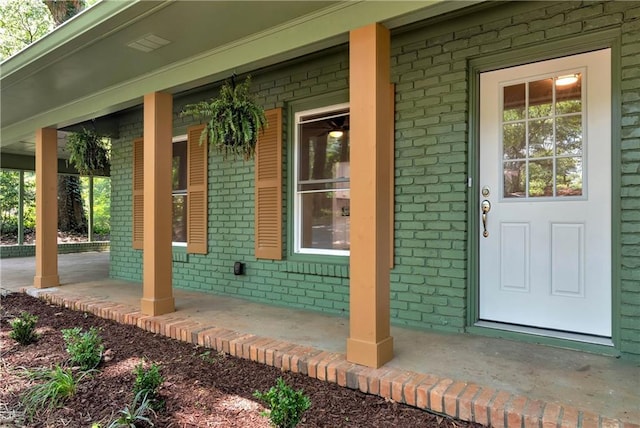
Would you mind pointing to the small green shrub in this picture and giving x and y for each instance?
(84, 348)
(286, 405)
(148, 382)
(59, 384)
(137, 414)
(23, 328)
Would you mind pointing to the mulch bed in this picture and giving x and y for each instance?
(201, 388)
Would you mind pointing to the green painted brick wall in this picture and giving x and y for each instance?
(317, 286)
(430, 68)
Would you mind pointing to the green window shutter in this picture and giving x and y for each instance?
(138, 193)
(197, 182)
(268, 189)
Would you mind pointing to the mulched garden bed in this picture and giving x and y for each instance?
(201, 388)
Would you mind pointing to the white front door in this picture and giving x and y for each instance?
(545, 170)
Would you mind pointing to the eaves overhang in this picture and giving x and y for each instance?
(86, 69)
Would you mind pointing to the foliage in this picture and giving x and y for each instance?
(23, 328)
(59, 385)
(286, 405)
(233, 119)
(132, 417)
(89, 152)
(101, 203)
(9, 201)
(22, 22)
(148, 381)
(84, 348)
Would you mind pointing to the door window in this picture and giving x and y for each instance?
(542, 138)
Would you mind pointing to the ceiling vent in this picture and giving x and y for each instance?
(149, 43)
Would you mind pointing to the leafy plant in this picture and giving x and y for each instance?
(286, 405)
(234, 119)
(84, 348)
(148, 381)
(131, 417)
(23, 328)
(88, 152)
(59, 385)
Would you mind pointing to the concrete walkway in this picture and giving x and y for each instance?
(492, 381)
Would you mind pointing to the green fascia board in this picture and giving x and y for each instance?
(28, 163)
(326, 28)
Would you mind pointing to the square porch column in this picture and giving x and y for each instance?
(46, 208)
(157, 293)
(369, 341)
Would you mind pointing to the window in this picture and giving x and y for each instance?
(179, 191)
(542, 134)
(189, 192)
(322, 194)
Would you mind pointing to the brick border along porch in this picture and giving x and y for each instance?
(462, 400)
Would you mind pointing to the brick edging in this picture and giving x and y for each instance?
(462, 400)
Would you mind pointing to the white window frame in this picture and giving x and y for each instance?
(297, 205)
(180, 139)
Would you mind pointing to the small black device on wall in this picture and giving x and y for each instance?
(238, 268)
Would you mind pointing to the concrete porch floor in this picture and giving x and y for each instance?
(492, 381)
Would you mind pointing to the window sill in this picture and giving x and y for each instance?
(179, 253)
(333, 266)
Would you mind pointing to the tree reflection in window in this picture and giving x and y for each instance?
(542, 138)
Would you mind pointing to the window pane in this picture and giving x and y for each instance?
(540, 98)
(569, 135)
(569, 176)
(569, 96)
(514, 102)
(325, 220)
(541, 138)
(541, 178)
(324, 149)
(179, 232)
(179, 170)
(514, 141)
(515, 175)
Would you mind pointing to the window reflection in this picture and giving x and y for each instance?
(322, 181)
(542, 138)
(179, 191)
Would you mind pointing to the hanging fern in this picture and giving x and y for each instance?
(88, 152)
(233, 120)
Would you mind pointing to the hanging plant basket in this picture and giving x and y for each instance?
(233, 120)
(89, 153)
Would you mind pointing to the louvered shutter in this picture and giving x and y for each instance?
(392, 157)
(138, 194)
(197, 183)
(268, 189)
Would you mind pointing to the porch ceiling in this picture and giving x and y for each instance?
(86, 69)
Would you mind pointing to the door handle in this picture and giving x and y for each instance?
(486, 207)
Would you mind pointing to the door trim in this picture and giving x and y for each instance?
(559, 48)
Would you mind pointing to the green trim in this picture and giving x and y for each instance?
(28, 163)
(616, 185)
(302, 104)
(544, 340)
(179, 254)
(540, 52)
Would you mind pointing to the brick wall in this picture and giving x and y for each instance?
(7, 251)
(317, 286)
(429, 67)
